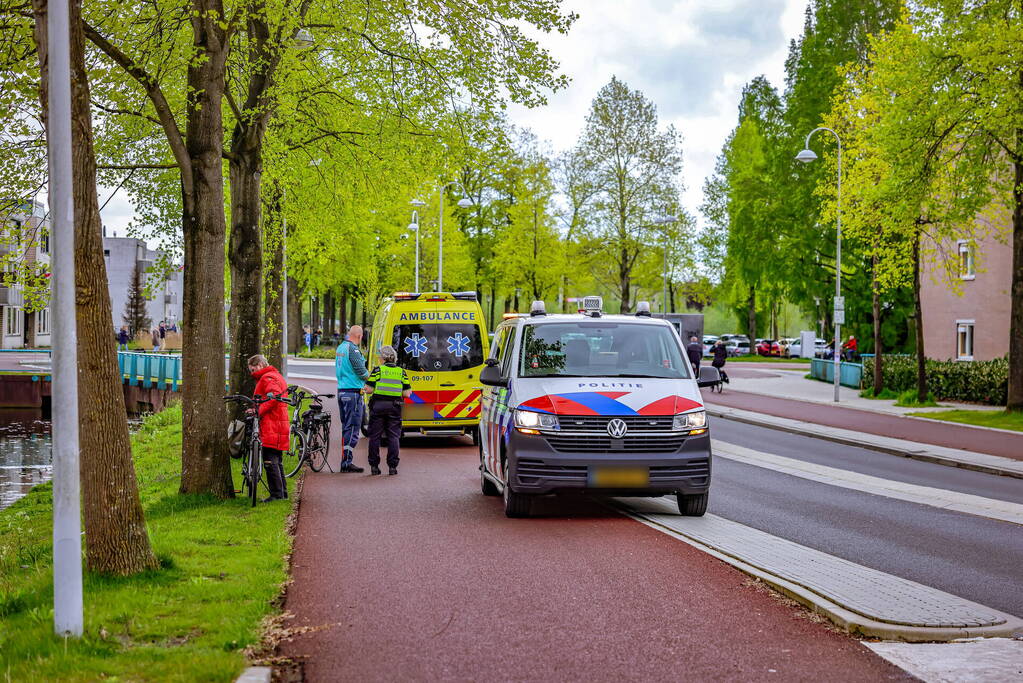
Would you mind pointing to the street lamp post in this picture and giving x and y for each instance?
(807, 156)
(463, 203)
(414, 226)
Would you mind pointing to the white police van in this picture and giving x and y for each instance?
(591, 402)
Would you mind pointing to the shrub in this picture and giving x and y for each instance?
(971, 381)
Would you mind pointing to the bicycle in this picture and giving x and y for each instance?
(252, 457)
(310, 431)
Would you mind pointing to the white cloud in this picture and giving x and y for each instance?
(690, 57)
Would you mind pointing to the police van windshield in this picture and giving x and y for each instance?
(438, 347)
(598, 349)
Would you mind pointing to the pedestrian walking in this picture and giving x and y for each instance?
(350, 368)
(155, 334)
(318, 336)
(123, 338)
(387, 387)
(720, 352)
(695, 352)
(308, 339)
(163, 335)
(274, 425)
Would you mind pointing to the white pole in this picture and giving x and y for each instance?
(67, 529)
(838, 269)
(415, 222)
(284, 287)
(440, 245)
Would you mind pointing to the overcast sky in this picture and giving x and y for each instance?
(690, 57)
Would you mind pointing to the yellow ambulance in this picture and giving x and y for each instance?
(442, 342)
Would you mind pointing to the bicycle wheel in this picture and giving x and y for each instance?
(319, 446)
(297, 453)
(255, 471)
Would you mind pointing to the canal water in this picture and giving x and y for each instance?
(25, 454)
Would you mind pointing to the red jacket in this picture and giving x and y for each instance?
(274, 427)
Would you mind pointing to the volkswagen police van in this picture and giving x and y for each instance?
(592, 402)
(442, 341)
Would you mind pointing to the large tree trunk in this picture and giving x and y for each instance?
(116, 541)
(751, 317)
(205, 464)
(921, 359)
(294, 315)
(342, 309)
(878, 351)
(273, 282)
(246, 258)
(1015, 398)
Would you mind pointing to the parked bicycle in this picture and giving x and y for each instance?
(252, 444)
(310, 431)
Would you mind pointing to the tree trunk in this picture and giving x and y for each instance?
(273, 282)
(245, 255)
(921, 359)
(205, 463)
(878, 351)
(294, 315)
(351, 317)
(624, 284)
(325, 318)
(751, 317)
(343, 312)
(1015, 396)
(116, 540)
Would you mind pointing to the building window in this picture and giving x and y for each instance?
(964, 340)
(43, 321)
(966, 265)
(13, 323)
(44, 242)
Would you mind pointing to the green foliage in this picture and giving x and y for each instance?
(949, 380)
(910, 399)
(885, 395)
(318, 352)
(981, 418)
(222, 566)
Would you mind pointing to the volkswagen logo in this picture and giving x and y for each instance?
(616, 428)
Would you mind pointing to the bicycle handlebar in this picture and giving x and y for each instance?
(254, 401)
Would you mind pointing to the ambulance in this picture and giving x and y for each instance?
(442, 342)
(594, 403)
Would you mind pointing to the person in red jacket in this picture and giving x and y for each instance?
(274, 427)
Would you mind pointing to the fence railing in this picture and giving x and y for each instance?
(159, 370)
(849, 374)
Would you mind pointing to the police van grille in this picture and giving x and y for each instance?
(598, 423)
(602, 443)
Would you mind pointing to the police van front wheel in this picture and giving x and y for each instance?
(516, 504)
(693, 506)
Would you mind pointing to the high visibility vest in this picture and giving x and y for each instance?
(390, 381)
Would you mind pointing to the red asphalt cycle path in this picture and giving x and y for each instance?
(421, 577)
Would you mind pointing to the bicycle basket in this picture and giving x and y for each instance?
(236, 438)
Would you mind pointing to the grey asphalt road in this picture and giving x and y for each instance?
(973, 557)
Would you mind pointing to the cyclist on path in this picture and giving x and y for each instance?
(274, 424)
(387, 387)
(350, 368)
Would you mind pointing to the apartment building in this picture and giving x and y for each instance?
(122, 254)
(25, 247)
(965, 297)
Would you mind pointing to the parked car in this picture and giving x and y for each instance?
(785, 343)
(768, 347)
(737, 347)
(708, 344)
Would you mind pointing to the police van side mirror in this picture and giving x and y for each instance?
(491, 376)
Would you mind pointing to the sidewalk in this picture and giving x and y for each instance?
(771, 393)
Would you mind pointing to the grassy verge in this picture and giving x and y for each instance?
(909, 399)
(318, 352)
(982, 418)
(766, 359)
(222, 567)
(885, 395)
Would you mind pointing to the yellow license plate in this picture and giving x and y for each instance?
(414, 411)
(619, 477)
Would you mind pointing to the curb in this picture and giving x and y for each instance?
(255, 674)
(910, 449)
(852, 622)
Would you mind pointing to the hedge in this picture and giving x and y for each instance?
(970, 381)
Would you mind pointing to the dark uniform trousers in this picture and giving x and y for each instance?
(384, 419)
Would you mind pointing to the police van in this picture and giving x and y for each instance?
(441, 340)
(592, 402)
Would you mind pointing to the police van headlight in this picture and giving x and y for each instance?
(686, 421)
(529, 421)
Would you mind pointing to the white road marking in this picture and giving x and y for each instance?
(980, 660)
(911, 493)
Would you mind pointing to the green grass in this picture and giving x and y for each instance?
(766, 359)
(885, 395)
(222, 567)
(982, 418)
(908, 399)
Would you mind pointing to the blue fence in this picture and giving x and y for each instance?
(159, 370)
(850, 374)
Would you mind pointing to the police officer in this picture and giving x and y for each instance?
(387, 388)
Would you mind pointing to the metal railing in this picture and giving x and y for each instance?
(850, 374)
(159, 370)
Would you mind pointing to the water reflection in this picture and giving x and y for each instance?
(25, 453)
